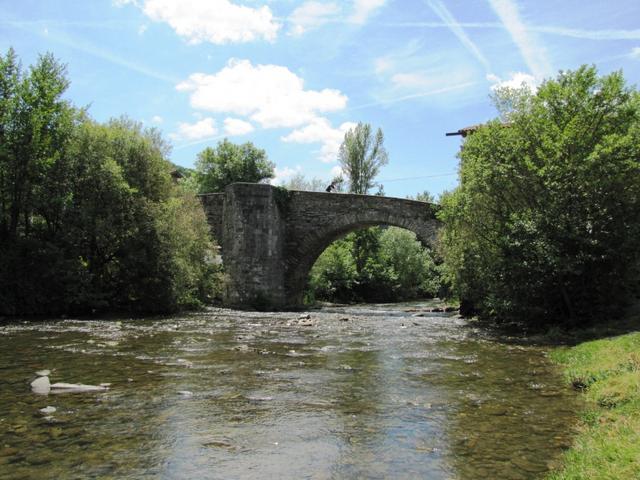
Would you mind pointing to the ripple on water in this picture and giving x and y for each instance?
(363, 391)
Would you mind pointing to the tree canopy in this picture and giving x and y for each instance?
(228, 163)
(361, 156)
(545, 224)
(89, 217)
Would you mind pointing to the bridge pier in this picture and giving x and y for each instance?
(252, 247)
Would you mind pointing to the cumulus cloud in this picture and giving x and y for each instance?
(214, 21)
(196, 131)
(235, 126)
(270, 95)
(516, 80)
(321, 131)
(310, 15)
(284, 174)
(157, 119)
(363, 9)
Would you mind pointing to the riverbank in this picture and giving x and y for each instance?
(608, 442)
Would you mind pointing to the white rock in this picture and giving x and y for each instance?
(185, 393)
(43, 373)
(48, 409)
(76, 387)
(41, 385)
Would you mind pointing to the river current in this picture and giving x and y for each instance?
(384, 391)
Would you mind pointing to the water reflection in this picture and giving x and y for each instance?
(355, 392)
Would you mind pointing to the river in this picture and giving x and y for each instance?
(384, 391)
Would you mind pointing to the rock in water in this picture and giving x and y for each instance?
(43, 373)
(41, 385)
(76, 387)
(48, 409)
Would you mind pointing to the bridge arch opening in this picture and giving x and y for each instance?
(366, 262)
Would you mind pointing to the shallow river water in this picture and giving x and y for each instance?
(386, 391)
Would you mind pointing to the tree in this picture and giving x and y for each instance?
(89, 217)
(300, 182)
(35, 129)
(228, 163)
(361, 156)
(545, 224)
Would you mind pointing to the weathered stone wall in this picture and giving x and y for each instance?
(270, 238)
(316, 219)
(253, 234)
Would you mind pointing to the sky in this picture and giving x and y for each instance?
(293, 76)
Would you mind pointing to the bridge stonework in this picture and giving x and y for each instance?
(271, 237)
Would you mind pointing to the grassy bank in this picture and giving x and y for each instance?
(608, 443)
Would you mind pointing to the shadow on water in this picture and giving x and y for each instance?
(349, 392)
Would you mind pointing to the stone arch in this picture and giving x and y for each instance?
(315, 242)
(271, 237)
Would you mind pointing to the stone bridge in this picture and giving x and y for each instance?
(271, 237)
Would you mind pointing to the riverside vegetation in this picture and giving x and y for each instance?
(89, 217)
(543, 229)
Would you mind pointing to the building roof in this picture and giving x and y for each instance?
(465, 131)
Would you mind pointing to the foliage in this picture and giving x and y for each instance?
(300, 182)
(282, 197)
(229, 163)
(90, 219)
(361, 156)
(395, 267)
(545, 225)
(608, 442)
(424, 196)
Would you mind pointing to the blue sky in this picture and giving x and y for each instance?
(292, 76)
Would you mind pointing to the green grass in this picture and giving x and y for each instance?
(608, 443)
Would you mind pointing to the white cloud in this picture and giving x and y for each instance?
(321, 131)
(533, 53)
(445, 15)
(157, 119)
(310, 15)
(235, 126)
(410, 80)
(196, 131)
(270, 95)
(362, 9)
(283, 174)
(635, 53)
(516, 80)
(214, 21)
(142, 29)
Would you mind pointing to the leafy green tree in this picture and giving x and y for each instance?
(35, 128)
(228, 163)
(361, 156)
(415, 272)
(545, 224)
(334, 276)
(89, 217)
